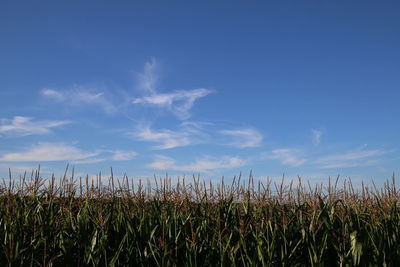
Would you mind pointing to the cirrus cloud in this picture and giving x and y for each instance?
(45, 152)
(167, 138)
(349, 159)
(201, 165)
(24, 126)
(178, 102)
(48, 152)
(80, 96)
(316, 136)
(288, 156)
(246, 137)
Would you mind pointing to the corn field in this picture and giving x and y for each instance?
(82, 222)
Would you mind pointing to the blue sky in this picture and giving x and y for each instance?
(307, 88)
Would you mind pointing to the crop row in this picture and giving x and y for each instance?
(77, 222)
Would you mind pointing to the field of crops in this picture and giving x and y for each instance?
(86, 222)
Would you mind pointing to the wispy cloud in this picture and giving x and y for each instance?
(44, 152)
(350, 159)
(203, 165)
(316, 136)
(148, 78)
(80, 96)
(48, 152)
(192, 132)
(115, 155)
(51, 93)
(178, 102)
(89, 161)
(288, 156)
(244, 137)
(167, 138)
(119, 155)
(23, 126)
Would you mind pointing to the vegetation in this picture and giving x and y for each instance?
(82, 222)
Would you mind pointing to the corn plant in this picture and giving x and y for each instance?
(85, 222)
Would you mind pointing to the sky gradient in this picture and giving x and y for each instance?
(301, 88)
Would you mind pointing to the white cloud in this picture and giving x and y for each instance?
(89, 161)
(116, 155)
(288, 157)
(316, 136)
(244, 137)
(53, 94)
(23, 126)
(119, 155)
(204, 165)
(167, 138)
(48, 152)
(350, 159)
(178, 102)
(148, 78)
(191, 132)
(80, 97)
(61, 152)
